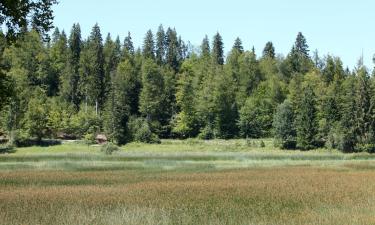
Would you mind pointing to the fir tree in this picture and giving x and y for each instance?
(205, 47)
(218, 50)
(128, 51)
(269, 50)
(149, 46)
(307, 121)
(238, 45)
(160, 45)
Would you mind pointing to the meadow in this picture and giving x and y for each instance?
(186, 182)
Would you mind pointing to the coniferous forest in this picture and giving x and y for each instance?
(75, 87)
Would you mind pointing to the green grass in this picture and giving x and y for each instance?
(186, 182)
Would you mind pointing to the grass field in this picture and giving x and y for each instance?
(186, 182)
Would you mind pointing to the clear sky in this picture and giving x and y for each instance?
(343, 28)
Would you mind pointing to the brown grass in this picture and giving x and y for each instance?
(293, 195)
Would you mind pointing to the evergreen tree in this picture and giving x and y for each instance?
(172, 49)
(59, 60)
(205, 48)
(301, 46)
(160, 45)
(249, 76)
(218, 50)
(238, 45)
(119, 102)
(224, 99)
(306, 123)
(92, 70)
(149, 46)
(112, 56)
(283, 124)
(298, 60)
(269, 51)
(151, 98)
(69, 89)
(128, 51)
(365, 111)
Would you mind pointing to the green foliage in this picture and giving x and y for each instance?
(70, 88)
(36, 117)
(17, 14)
(306, 123)
(283, 125)
(256, 118)
(140, 131)
(269, 51)
(218, 50)
(109, 148)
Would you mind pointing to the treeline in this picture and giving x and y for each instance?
(71, 87)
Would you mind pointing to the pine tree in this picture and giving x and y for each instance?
(301, 46)
(269, 50)
(205, 48)
(238, 45)
(298, 59)
(160, 45)
(128, 51)
(92, 70)
(112, 56)
(151, 98)
(224, 98)
(306, 123)
(59, 56)
(119, 103)
(365, 111)
(218, 50)
(70, 78)
(149, 46)
(172, 49)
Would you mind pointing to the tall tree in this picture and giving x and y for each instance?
(149, 46)
(269, 50)
(18, 14)
(59, 56)
(151, 98)
(172, 49)
(283, 124)
(92, 70)
(238, 45)
(205, 47)
(218, 49)
(160, 45)
(112, 56)
(119, 102)
(307, 123)
(128, 51)
(186, 124)
(70, 78)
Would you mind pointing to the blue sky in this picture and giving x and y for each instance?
(342, 28)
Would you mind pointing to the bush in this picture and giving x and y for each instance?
(109, 148)
(6, 148)
(262, 144)
(141, 132)
(207, 133)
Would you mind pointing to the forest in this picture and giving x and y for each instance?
(73, 87)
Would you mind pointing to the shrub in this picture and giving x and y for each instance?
(262, 144)
(109, 148)
(140, 131)
(207, 133)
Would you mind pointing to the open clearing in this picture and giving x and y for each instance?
(186, 182)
